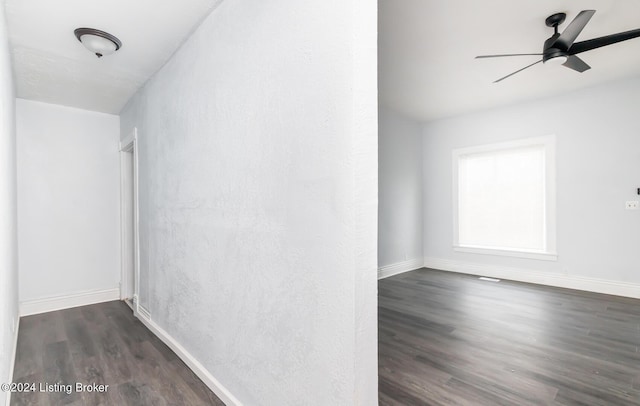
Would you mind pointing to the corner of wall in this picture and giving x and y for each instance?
(12, 360)
(400, 267)
(8, 209)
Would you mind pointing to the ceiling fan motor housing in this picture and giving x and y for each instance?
(551, 49)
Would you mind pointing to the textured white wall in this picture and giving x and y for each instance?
(400, 213)
(258, 149)
(8, 206)
(598, 162)
(68, 200)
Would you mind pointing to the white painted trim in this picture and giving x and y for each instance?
(542, 256)
(50, 304)
(223, 393)
(123, 234)
(142, 312)
(125, 145)
(123, 237)
(605, 286)
(130, 145)
(400, 267)
(12, 362)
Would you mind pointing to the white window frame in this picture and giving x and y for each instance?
(549, 253)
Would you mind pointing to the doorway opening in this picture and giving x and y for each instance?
(129, 220)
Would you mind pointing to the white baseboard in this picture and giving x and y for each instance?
(223, 393)
(143, 312)
(605, 286)
(51, 304)
(12, 361)
(400, 267)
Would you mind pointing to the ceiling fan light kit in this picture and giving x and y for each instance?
(561, 48)
(556, 60)
(98, 42)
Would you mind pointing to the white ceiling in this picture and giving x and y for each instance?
(52, 66)
(427, 68)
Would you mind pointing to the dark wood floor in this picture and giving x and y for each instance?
(451, 339)
(102, 344)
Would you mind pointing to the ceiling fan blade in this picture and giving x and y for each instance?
(503, 55)
(518, 71)
(590, 44)
(577, 64)
(569, 35)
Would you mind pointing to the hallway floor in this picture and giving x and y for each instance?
(101, 344)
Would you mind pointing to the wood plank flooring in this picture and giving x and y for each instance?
(102, 344)
(451, 339)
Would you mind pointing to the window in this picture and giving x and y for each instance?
(504, 198)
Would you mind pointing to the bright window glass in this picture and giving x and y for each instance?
(503, 196)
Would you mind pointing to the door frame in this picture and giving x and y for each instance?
(129, 146)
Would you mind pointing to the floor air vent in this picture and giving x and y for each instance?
(484, 278)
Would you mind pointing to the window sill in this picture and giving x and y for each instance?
(542, 256)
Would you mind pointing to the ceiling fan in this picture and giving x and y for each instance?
(561, 49)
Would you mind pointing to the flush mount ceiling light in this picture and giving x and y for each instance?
(99, 42)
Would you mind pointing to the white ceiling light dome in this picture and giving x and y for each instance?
(99, 42)
(556, 60)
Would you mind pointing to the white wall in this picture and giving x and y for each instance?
(258, 150)
(8, 196)
(68, 200)
(400, 210)
(598, 164)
